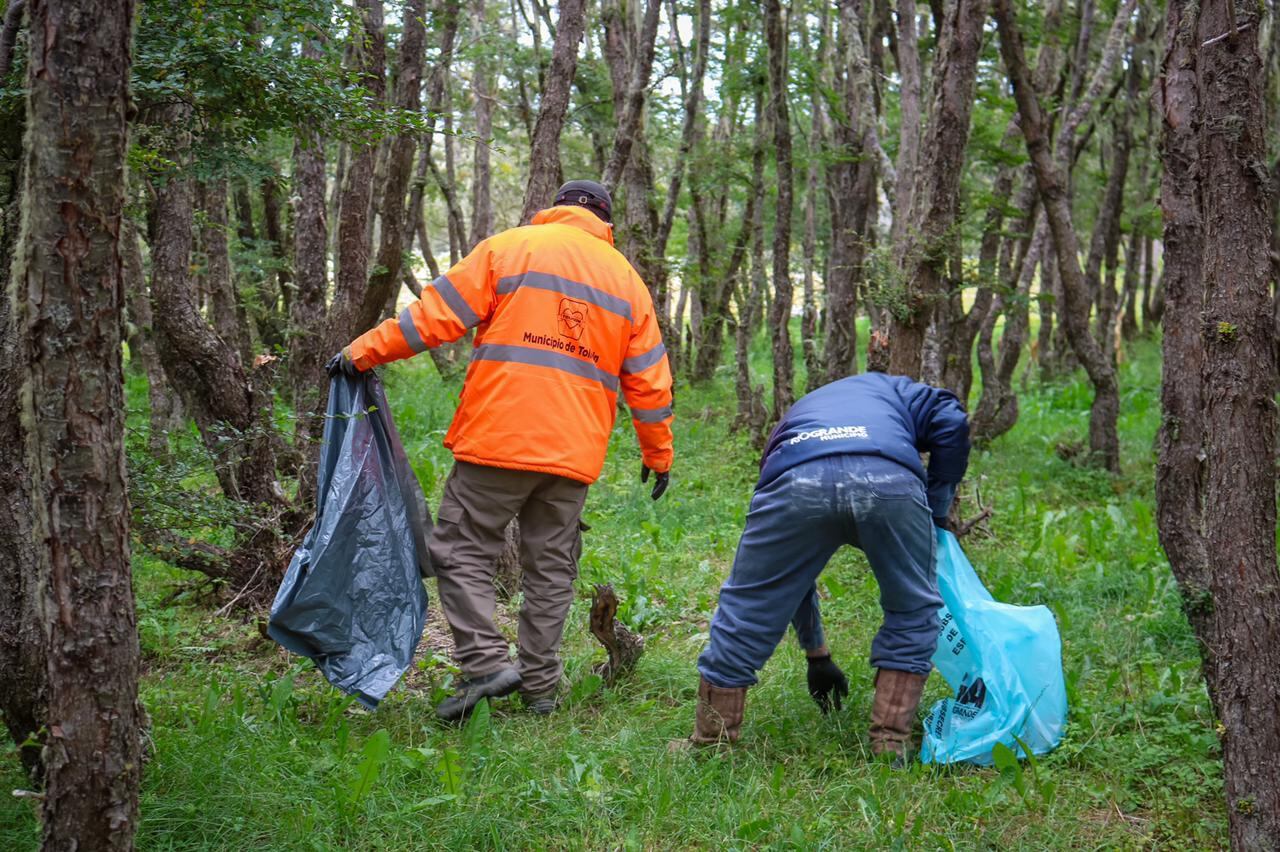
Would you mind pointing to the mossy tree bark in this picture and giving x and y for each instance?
(22, 667)
(780, 119)
(1216, 474)
(935, 200)
(69, 299)
(544, 157)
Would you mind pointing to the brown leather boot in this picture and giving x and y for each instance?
(893, 711)
(718, 718)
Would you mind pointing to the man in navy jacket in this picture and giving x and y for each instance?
(843, 467)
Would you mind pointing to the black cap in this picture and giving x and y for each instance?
(588, 194)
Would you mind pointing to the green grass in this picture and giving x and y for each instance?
(252, 750)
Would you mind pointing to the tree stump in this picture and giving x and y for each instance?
(506, 578)
(624, 646)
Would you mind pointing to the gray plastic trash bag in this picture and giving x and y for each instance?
(352, 599)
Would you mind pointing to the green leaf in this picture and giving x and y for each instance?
(584, 689)
(432, 801)
(449, 771)
(1003, 757)
(475, 736)
(375, 752)
(1007, 762)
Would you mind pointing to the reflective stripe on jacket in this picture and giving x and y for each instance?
(562, 323)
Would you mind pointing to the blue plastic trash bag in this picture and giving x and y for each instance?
(1003, 661)
(352, 599)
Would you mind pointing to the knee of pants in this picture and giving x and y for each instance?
(554, 584)
(915, 622)
(547, 602)
(736, 651)
(904, 594)
(906, 640)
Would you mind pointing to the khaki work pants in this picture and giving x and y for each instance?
(477, 505)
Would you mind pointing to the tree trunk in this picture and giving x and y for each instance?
(715, 312)
(352, 302)
(450, 359)
(1216, 472)
(851, 187)
(416, 200)
(935, 200)
(780, 309)
(275, 299)
(997, 410)
(165, 410)
(1149, 318)
(809, 315)
(908, 60)
(1048, 304)
(752, 415)
(448, 181)
(204, 369)
(1103, 439)
(688, 123)
(632, 112)
(1132, 273)
(225, 312)
(69, 291)
(626, 50)
(22, 654)
(440, 104)
(384, 281)
(357, 189)
(9, 33)
(335, 194)
(308, 307)
(544, 155)
(1106, 228)
(817, 145)
(246, 230)
(481, 200)
(445, 18)
(962, 328)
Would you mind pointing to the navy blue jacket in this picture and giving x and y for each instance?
(880, 415)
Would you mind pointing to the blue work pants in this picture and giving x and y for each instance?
(795, 524)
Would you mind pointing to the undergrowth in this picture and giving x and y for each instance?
(250, 748)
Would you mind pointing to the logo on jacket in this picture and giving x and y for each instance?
(571, 319)
(833, 433)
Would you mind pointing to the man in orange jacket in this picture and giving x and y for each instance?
(562, 323)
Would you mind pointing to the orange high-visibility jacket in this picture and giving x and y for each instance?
(562, 322)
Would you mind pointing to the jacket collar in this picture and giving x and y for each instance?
(578, 217)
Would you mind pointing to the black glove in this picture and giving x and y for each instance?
(340, 363)
(827, 683)
(943, 524)
(660, 480)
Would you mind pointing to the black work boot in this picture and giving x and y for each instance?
(893, 712)
(504, 681)
(541, 704)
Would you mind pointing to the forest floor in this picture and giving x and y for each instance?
(251, 749)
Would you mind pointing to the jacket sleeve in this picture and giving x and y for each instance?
(646, 386)
(942, 429)
(450, 306)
